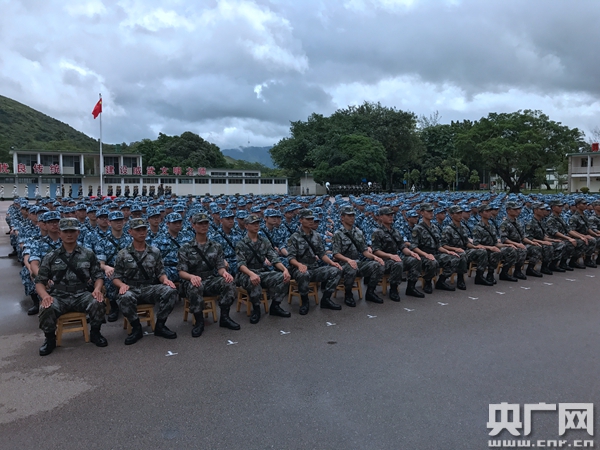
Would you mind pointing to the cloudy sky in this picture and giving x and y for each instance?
(237, 71)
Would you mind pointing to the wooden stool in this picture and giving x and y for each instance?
(384, 283)
(145, 313)
(244, 298)
(210, 306)
(357, 286)
(472, 267)
(313, 291)
(70, 323)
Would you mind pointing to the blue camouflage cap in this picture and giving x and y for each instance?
(412, 213)
(116, 215)
(173, 217)
(102, 212)
(151, 211)
(136, 207)
(241, 214)
(226, 213)
(92, 209)
(50, 215)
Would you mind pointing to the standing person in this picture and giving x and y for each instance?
(388, 244)
(350, 248)
(202, 269)
(72, 270)
(305, 250)
(140, 278)
(252, 252)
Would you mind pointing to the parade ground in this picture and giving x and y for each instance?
(420, 374)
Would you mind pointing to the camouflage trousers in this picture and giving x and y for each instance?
(328, 274)
(272, 281)
(590, 247)
(152, 294)
(573, 251)
(412, 266)
(521, 256)
(172, 274)
(430, 268)
(472, 255)
(28, 283)
(448, 263)
(65, 302)
(111, 290)
(371, 270)
(534, 254)
(552, 252)
(506, 254)
(211, 286)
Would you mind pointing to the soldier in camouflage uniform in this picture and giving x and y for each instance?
(455, 238)
(305, 250)
(350, 248)
(581, 228)
(169, 242)
(557, 228)
(140, 278)
(227, 236)
(202, 270)
(426, 242)
(388, 244)
(552, 249)
(484, 234)
(252, 252)
(73, 270)
(512, 232)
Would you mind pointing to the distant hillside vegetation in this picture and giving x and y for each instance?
(251, 154)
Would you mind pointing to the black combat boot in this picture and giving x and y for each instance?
(479, 279)
(589, 262)
(371, 296)
(49, 344)
(114, 312)
(349, 298)
(136, 333)
(545, 270)
(161, 330)
(574, 263)
(563, 265)
(428, 287)
(226, 322)
(505, 276)
(35, 309)
(490, 276)
(277, 310)
(198, 328)
(518, 273)
(97, 338)
(255, 317)
(460, 282)
(327, 303)
(532, 272)
(304, 307)
(412, 291)
(394, 295)
(441, 284)
(554, 267)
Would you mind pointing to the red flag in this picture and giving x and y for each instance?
(97, 109)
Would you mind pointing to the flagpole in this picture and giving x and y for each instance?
(101, 159)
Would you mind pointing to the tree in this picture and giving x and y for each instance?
(515, 145)
(474, 179)
(415, 177)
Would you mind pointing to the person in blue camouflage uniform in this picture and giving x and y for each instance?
(252, 252)
(350, 248)
(390, 246)
(227, 236)
(140, 278)
(154, 225)
(306, 250)
(98, 234)
(202, 270)
(276, 235)
(512, 232)
(107, 250)
(169, 243)
(240, 226)
(580, 227)
(455, 237)
(26, 272)
(426, 242)
(552, 249)
(73, 270)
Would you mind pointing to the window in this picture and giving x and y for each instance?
(151, 180)
(266, 181)
(27, 180)
(130, 161)
(251, 181)
(167, 180)
(584, 162)
(251, 174)
(73, 180)
(28, 160)
(235, 181)
(131, 180)
(112, 180)
(201, 181)
(218, 174)
(235, 174)
(111, 161)
(218, 181)
(51, 180)
(48, 160)
(280, 181)
(186, 181)
(7, 180)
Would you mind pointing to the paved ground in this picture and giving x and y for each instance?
(378, 377)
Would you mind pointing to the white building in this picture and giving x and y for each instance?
(584, 171)
(52, 173)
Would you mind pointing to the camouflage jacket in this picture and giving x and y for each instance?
(128, 271)
(456, 236)
(426, 238)
(343, 243)
(511, 230)
(300, 250)
(253, 254)
(535, 229)
(190, 258)
(556, 224)
(54, 267)
(485, 234)
(578, 222)
(387, 241)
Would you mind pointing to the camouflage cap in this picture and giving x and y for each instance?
(537, 205)
(199, 217)
(252, 218)
(347, 210)
(454, 209)
(412, 213)
(173, 217)
(556, 202)
(50, 215)
(226, 213)
(580, 200)
(68, 224)
(385, 211)
(152, 211)
(426, 207)
(306, 214)
(514, 205)
(115, 215)
(484, 207)
(137, 223)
